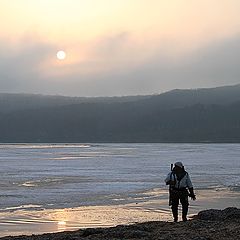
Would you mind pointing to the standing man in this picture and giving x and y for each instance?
(179, 184)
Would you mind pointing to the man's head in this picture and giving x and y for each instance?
(178, 167)
(178, 164)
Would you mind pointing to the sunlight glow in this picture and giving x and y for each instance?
(61, 223)
(61, 55)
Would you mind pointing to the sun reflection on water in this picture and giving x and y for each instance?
(62, 225)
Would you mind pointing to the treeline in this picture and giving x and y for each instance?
(204, 115)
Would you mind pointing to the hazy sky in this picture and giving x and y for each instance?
(118, 47)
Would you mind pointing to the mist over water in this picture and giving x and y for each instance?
(70, 175)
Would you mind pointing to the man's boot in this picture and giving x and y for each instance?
(184, 212)
(184, 218)
(175, 214)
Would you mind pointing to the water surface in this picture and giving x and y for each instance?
(49, 177)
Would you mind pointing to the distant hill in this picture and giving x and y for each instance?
(10, 102)
(187, 97)
(199, 115)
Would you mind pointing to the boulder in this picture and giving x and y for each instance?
(219, 215)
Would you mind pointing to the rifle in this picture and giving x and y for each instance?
(170, 187)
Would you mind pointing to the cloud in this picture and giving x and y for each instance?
(19, 64)
(116, 64)
(212, 65)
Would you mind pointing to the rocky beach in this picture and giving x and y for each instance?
(207, 225)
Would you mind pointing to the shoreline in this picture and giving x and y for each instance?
(40, 221)
(208, 224)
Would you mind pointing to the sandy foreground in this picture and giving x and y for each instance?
(39, 221)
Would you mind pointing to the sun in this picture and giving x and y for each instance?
(61, 55)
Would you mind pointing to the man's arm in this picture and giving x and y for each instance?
(169, 180)
(190, 187)
(192, 195)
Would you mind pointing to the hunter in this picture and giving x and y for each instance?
(180, 188)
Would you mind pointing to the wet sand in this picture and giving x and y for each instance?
(207, 225)
(152, 208)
